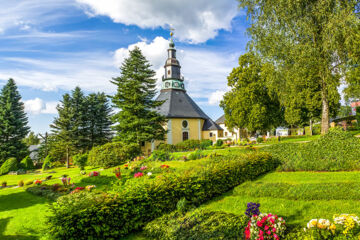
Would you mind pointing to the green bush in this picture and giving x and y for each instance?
(336, 151)
(188, 145)
(259, 140)
(9, 165)
(27, 163)
(107, 216)
(219, 143)
(112, 154)
(80, 160)
(166, 147)
(47, 163)
(160, 155)
(197, 225)
(204, 144)
(195, 155)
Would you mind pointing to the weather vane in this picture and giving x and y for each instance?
(172, 33)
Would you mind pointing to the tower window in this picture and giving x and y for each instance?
(185, 124)
(168, 72)
(185, 136)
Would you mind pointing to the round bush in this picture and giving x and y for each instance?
(80, 160)
(159, 155)
(259, 140)
(219, 143)
(9, 165)
(112, 154)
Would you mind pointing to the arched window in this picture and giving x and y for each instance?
(185, 136)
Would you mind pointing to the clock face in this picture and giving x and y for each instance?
(167, 84)
(176, 84)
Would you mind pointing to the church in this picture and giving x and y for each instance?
(185, 119)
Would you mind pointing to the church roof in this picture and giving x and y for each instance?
(221, 119)
(178, 104)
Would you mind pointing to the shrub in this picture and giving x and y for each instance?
(337, 150)
(47, 163)
(4, 183)
(21, 183)
(160, 155)
(259, 140)
(112, 154)
(195, 155)
(29, 183)
(9, 165)
(27, 163)
(80, 160)
(166, 147)
(204, 144)
(219, 143)
(197, 225)
(105, 216)
(49, 192)
(188, 145)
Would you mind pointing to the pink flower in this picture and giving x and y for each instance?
(259, 224)
(272, 220)
(247, 233)
(143, 168)
(266, 227)
(268, 232)
(276, 236)
(274, 229)
(138, 174)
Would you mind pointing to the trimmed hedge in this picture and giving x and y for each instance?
(105, 216)
(197, 225)
(112, 154)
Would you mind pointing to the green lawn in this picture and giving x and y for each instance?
(297, 196)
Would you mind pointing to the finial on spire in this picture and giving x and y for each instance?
(172, 45)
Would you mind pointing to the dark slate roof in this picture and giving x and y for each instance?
(221, 119)
(179, 105)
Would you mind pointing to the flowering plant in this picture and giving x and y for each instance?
(149, 174)
(90, 187)
(94, 174)
(143, 168)
(117, 172)
(265, 226)
(65, 181)
(37, 182)
(126, 166)
(138, 174)
(78, 189)
(164, 166)
(252, 209)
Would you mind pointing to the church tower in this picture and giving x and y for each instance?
(185, 119)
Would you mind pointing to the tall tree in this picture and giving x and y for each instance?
(98, 119)
(63, 127)
(250, 104)
(13, 123)
(31, 139)
(306, 38)
(137, 121)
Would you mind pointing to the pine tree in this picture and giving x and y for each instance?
(98, 119)
(79, 109)
(137, 121)
(13, 123)
(63, 127)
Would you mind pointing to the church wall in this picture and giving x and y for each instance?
(193, 128)
(206, 135)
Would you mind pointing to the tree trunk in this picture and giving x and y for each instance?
(311, 128)
(67, 157)
(325, 121)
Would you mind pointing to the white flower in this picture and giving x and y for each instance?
(149, 173)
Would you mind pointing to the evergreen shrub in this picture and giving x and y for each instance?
(27, 163)
(9, 165)
(112, 154)
(197, 225)
(335, 151)
(47, 163)
(137, 202)
(219, 143)
(80, 160)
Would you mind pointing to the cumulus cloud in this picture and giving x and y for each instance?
(194, 21)
(38, 106)
(216, 97)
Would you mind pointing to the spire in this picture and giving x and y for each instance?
(172, 78)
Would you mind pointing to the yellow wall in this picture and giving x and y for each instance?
(206, 135)
(193, 129)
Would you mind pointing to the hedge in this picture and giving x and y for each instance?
(105, 216)
(112, 154)
(9, 165)
(197, 225)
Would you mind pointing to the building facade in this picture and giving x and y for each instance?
(185, 119)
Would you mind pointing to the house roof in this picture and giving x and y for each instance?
(178, 104)
(221, 119)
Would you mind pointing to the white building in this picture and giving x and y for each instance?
(227, 134)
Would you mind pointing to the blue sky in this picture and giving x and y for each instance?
(49, 47)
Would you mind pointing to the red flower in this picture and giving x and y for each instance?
(138, 174)
(164, 166)
(247, 233)
(79, 188)
(259, 224)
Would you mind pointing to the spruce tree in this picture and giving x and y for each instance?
(13, 123)
(98, 119)
(137, 121)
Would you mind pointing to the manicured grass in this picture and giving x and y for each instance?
(297, 196)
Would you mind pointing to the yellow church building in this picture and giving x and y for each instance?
(185, 119)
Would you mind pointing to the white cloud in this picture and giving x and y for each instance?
(194, 21)
(38, 106)
(205, 71)
(216, 97)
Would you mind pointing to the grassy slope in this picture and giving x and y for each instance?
(284, 203)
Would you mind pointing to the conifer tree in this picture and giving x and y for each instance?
(13, 123)
(137, 121)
